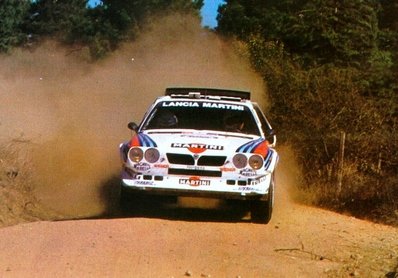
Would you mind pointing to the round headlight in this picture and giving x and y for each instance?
(152, 155)
(136, 154)
(256, 162)
(239, 160)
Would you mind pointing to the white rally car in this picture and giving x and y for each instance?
(206, 143)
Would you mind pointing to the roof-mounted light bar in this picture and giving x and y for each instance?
(194, 95)
(198, 92)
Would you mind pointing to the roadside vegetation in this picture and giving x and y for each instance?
(332, 75)
(73, 22)
(331, 69)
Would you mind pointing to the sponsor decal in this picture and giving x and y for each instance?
(258, 180)
(228, 169)
(223, 106)
(247, 172)
(245, 188)
(143, 182)
(190, 167)
(165, 166)
(213, 105)
(197, 147)
(206, 136)
(194, 181)
(142, 167)
(180, 104)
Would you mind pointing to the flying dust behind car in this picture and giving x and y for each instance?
(69, 109)
(202, 142)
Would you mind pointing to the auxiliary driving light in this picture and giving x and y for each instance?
(152, 155)
(256, 162)
(239, 160)
(136, 154)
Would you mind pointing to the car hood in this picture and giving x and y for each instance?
(198, 141)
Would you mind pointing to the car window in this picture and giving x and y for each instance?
(265, 125)
(202, 115)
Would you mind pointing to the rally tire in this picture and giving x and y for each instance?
(127, 200)
(261, 210)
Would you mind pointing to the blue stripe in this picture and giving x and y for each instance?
(254, 146)
(249, 146)
(153, 144)
(146, 141)
(268, 159)
(140, 139)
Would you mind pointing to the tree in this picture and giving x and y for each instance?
(57, 17)
(330, 66)
(388, 22)
(124, 14)
(117, 20)
(318, 31)
(12, 16)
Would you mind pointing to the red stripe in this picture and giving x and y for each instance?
(135, 142)
(262, 149)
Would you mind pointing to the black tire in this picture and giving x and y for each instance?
(127, 200)
(261, 210)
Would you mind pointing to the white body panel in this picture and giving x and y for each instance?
(181, 179)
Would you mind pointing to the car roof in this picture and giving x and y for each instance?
(207, 93)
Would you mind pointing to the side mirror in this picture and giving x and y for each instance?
(271, 137)
(133, 126)
(271, 132)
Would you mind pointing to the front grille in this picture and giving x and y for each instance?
(187, 159)
(182, 159)
(210, 160)
(193, 172)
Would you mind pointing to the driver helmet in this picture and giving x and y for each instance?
(166, 119)
(234, 123)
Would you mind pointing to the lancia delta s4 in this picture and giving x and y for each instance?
(203, 142)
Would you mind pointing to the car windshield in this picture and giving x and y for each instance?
(202, 115)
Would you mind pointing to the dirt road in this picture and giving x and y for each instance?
(299, 241)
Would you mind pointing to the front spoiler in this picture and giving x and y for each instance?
(238, 195)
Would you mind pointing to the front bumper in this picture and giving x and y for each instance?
(254, 188)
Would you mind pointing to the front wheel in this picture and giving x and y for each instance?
(261, 210)
(128, 200)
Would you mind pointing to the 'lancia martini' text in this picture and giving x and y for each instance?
(203, 104)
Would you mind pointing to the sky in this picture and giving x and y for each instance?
(209, 11)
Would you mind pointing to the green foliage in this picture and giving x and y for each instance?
(12, 15)
(310, 107)
(49, 17)
(319, 31)
(329, 68)
(100, 28)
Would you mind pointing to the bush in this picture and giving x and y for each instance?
(311, 108)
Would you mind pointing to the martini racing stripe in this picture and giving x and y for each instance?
(142, 140)
(268, 159)
(147, 141)
(250, 146)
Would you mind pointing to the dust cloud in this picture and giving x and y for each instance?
(75, 113)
